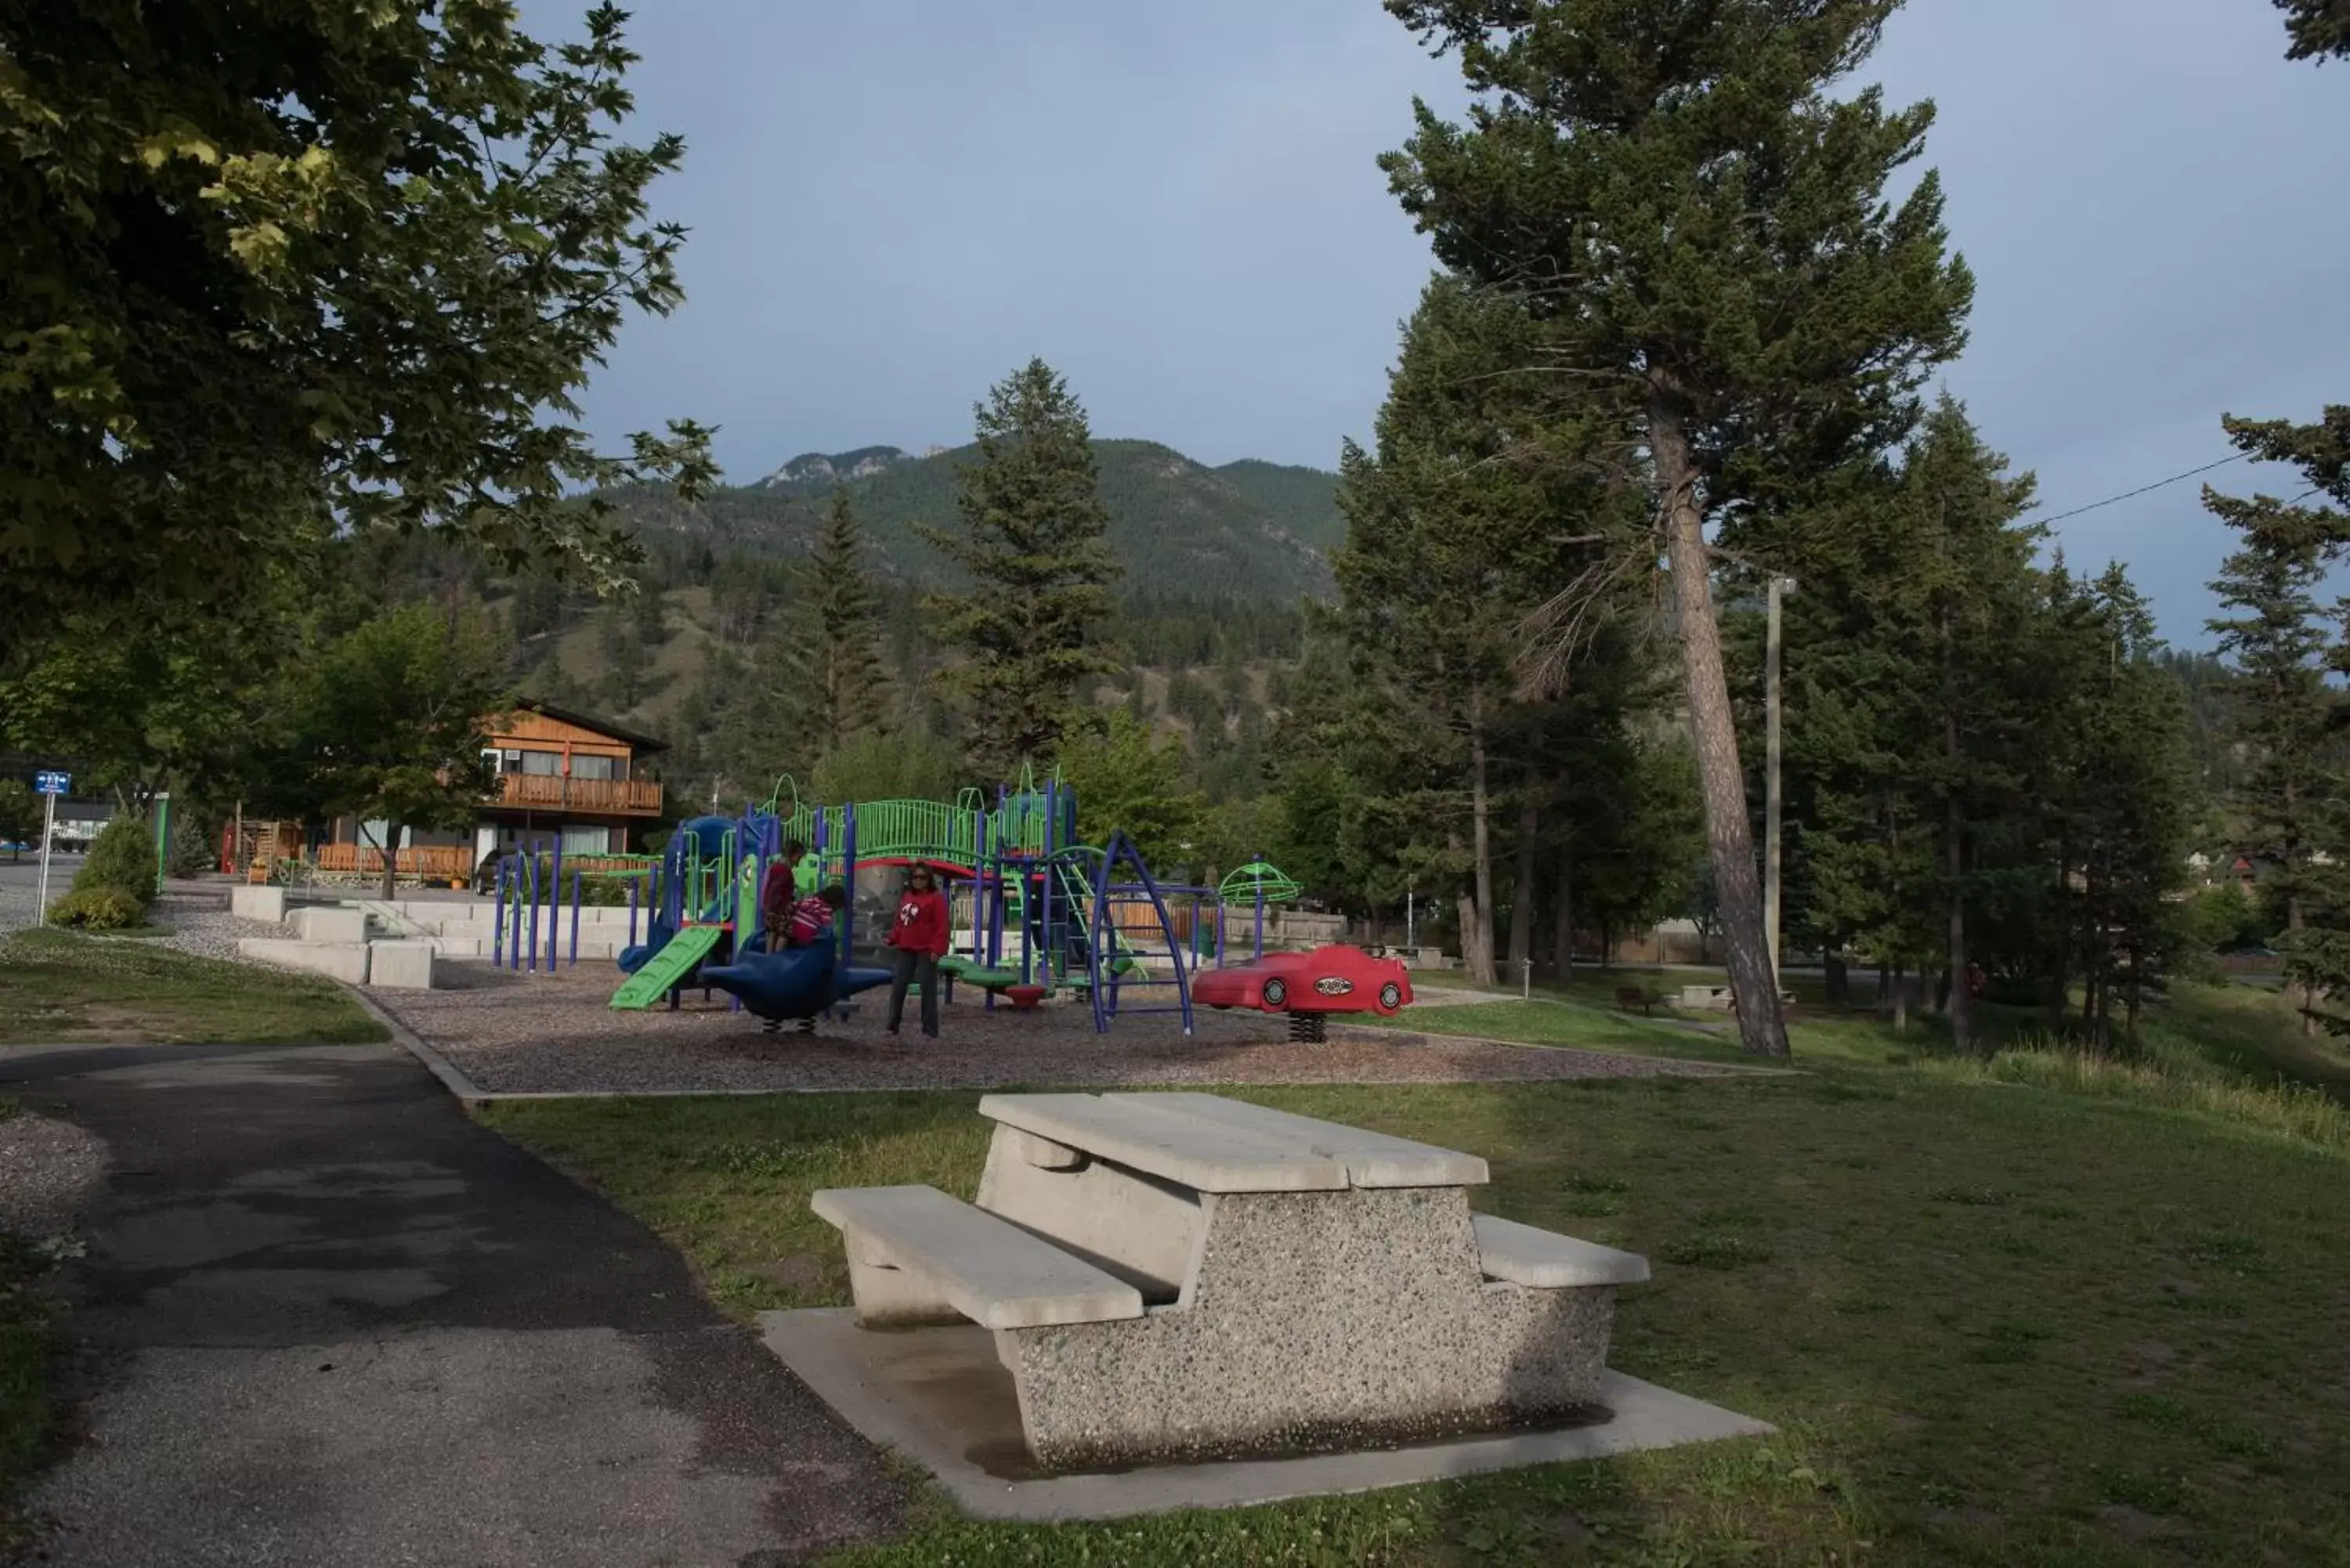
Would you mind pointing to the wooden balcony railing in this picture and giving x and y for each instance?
(553, 792)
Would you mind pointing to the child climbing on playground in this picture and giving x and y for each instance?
(919, 939)
(812, 917)
(779, 894)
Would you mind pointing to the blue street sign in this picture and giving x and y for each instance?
(52, 784)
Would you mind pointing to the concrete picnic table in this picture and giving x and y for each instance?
(1186, 1276)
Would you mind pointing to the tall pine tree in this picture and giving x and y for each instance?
(2289, 798)
(1451, 533)
(1034, 543)
(824, 665)
(1706, 235)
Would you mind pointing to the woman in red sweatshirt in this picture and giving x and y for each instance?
(919, 936)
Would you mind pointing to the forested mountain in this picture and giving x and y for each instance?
(1250, 531)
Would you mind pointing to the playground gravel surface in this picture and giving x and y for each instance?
(541, 1034)
(199, 925)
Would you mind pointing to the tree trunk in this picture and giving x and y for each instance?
(2132, 994)
(1962, 1005)
(1522, 897)
(1562, 899)
(1839, 977)
(1481, 959)
(1606, 944)
(2308, 992)
(391, 831)
(1900, 999)
(2058, 950)
(1730, 837)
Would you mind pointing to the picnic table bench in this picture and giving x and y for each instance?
(1176, 1276)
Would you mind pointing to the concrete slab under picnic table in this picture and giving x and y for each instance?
(944, 1400)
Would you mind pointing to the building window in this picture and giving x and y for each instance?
(585, 765)
(586, 840)
(546, 763)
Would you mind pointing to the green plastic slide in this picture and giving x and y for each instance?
(667, 969)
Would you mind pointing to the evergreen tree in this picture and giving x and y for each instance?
(2317, 28)
(1911, 715)
(2133, 806)
(1452, 534)
(1034, 542)
(825, 672)
(1704, 235)
(2288, 804)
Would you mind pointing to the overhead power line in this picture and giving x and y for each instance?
(2142, 490)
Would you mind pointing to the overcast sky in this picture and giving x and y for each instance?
(1176, 205)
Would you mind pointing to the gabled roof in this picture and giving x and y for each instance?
(636, 738)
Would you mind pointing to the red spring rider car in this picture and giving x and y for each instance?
(1308, 987)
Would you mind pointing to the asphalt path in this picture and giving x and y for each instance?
(326, 1318)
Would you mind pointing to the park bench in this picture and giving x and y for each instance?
(1628, 997)
(917, 1255)
(1175, 1276)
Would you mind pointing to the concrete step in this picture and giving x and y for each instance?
(343, 961)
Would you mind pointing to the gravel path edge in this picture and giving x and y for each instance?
(452, 1078)
(48, 1170)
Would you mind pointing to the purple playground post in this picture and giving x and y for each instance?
(498, 915)
(574, 918)
(554, 902)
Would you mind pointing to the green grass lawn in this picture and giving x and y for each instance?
(27, 1340)
(60, 986)
(2003, 1313)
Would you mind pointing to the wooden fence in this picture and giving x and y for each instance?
(431, 862)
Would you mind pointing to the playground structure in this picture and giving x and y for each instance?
(528, 906)
(1040, 913)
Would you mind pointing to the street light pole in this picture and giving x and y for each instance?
(1772, 805)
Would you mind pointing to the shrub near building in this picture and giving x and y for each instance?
(116, 883)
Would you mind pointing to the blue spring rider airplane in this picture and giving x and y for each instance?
(796, 984)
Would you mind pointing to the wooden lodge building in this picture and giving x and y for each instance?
(561, 776)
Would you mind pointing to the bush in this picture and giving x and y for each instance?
(195, 847)
(122, 860)
(97, 909)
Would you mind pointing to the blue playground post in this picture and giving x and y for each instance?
(848, 881)
(574, 919)
(532, 874)
(554, 900)
(498, 914)
(632, 911)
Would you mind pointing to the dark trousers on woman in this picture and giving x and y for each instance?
(915, 968)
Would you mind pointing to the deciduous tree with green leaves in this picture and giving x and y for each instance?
(1034, 544)
(269, 270)
(1125, 777)
(386, 722)
(21, 814)
(1705, 235)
